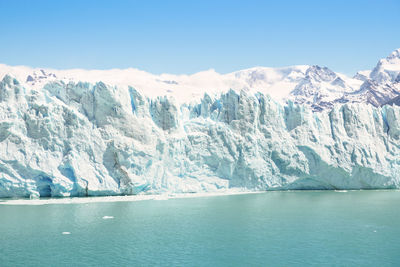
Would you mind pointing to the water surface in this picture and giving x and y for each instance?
(355, 228)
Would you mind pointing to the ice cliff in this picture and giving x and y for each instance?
(79, 139)
(68, 138)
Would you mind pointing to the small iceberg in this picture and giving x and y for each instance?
(108, 217)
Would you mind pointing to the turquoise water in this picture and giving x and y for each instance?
(358, 228)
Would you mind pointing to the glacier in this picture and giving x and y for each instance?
(77, 138)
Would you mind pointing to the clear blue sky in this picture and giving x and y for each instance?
(190, 36)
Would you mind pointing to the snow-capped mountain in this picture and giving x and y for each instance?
(382, 84)
(321, 88)
(387, 70)
(316, 86)
(110, 132)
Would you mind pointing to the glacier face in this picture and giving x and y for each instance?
(80, 139)
(117, 132)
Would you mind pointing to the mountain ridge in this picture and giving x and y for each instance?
(313, 85)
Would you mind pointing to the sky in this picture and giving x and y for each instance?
(183, 37)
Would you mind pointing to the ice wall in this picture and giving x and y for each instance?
(80, 139)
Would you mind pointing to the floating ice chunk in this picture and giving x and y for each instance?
(34, 195)
(66, 233)
(108, 217)
(161, 197)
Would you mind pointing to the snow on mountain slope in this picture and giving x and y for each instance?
(321, 87)
(318, 87)
(388, 69)
(66, 133)
(362, 75)
(277, 82)
(381, 85)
